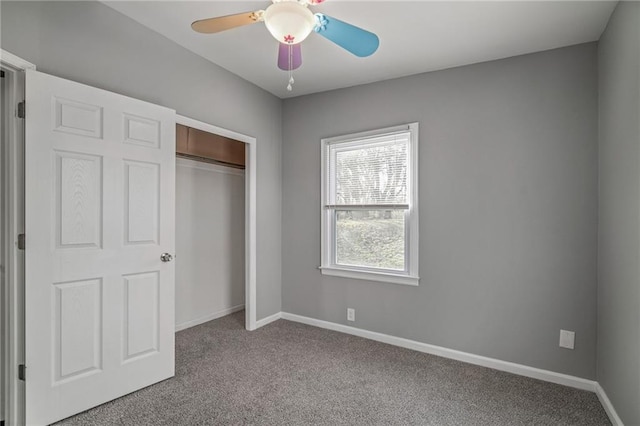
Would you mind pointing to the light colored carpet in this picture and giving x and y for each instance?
(293, 374)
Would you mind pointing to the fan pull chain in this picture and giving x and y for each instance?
(291, 80)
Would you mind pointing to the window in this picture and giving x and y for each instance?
(370, 205)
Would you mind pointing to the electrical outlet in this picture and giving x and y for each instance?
(567, 339)
(351, 314)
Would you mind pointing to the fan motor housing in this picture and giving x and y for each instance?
(289, 22)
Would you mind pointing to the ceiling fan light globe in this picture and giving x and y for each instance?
(289, 22)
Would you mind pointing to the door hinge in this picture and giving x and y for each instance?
(21, 241)
(21, 109)
(21, 372)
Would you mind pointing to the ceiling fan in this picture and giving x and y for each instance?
(290, 22)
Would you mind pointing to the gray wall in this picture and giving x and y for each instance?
(508, 208)
(619, 210)
(93, 44)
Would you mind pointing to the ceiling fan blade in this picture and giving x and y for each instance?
(356, 40)
(223, 23)
(289, 56)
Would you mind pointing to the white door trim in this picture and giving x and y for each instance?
(14, 302)
(9, 58)
(250, 211)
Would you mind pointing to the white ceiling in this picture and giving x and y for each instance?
(415, 36)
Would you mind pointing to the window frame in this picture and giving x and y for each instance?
(410, 275)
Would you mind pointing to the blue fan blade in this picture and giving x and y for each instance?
(356, 40)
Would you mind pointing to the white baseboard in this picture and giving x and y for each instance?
(496, 364)
(608, 407)
(206, 318)
(268, 320)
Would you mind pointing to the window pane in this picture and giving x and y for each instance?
(370, 238)
(371, 174)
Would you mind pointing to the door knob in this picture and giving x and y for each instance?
(166, 257)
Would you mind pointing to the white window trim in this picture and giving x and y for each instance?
(412, 243)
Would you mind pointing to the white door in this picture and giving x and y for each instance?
(100, 184)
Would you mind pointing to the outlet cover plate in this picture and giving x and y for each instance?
(567, 339)
(351, 314)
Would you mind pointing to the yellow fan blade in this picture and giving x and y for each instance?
(223, 23)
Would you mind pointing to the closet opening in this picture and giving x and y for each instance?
(211, 221)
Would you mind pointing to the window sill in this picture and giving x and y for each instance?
(370, 276)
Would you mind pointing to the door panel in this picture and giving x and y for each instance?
(78, 329)
(100, 183)
(141, 307)
(142, 189)
(78, 200)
